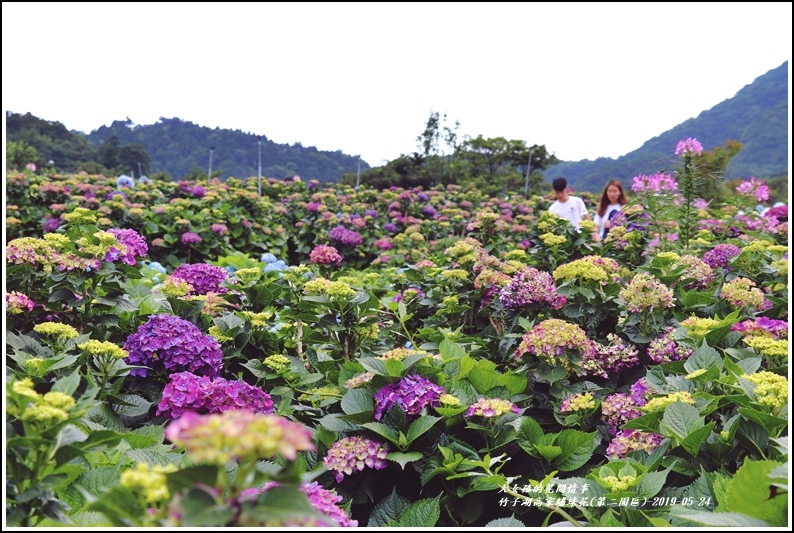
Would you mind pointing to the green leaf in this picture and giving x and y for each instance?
(679, 419)
(651, 483)
(695, 439)
(383, 430)
(482, 378)
(514, 383)
(648, 423)
(394, 367)
(529, 432)
(389, 509)
(64, 362)
(576, 449)
(103, 416)
(548, 451)
(707, 518)
(704, 357)
(768, 421)
(423, 513)
(750, 364)
(96, 480)
(199, 509)
(161, 454)
(357, 401)
(748, 492)
(374, 365)
(404, 458)
(137, 405)
(334, 423)
(512, 521)
(450, 351)
(186, 478)
(68, 384)
(466, 364)
(420, 427)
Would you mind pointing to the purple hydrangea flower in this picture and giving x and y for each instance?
(325, 255)
(188, 392)
(664, 349)
(531, 286)
(190, 238)
(630, 440)
(170, 343)
(51, 224)
(135, 244)
(323, 500)
(202, 277)
(391, 228)
(617, 409)
(352, 454)
(719, 256)
(412, 393)
(345, 236)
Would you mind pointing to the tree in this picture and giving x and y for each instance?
(133, 157)
(108, 153)
(19, 154)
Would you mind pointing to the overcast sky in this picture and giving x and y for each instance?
(587, 80)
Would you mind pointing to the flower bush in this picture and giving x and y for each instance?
(320, 355)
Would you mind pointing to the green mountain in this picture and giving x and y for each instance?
(175, 146)
(757, 117)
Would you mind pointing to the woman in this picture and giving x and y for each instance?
(611, 202)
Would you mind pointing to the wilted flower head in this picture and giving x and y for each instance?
(242, 435)
(412, 393)
(202, 277)
(688, 146)
(351, 454)
(167, 342)
(325, 255)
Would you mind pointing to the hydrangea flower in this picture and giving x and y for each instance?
(167, 342)
(645, 293)
(188, 392)
(323, 500)
(134, 244)
(577, 402)
(345, 236)
(617, 409)
(412, 393)
(190, 238)
(531, 286)
(610, 358)
(771, 389)
(719, 256)
(202, 277)
(660, 403)
(550, 340)
(324, 254)
(17, 303)
(242, 435)
(351, 454)
(742, 292)
(491, 408)
(149, 481)
(630, 440)
(359, 380)
(664, 349)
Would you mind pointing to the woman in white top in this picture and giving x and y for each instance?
(611, 202)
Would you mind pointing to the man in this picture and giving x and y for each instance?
(568, 207)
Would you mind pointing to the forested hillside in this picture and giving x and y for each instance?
(757, 117)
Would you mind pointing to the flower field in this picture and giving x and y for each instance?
(193, 354)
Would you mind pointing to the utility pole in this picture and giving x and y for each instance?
(259, 175)
(358, 172)
(209, 172)
(529, 171)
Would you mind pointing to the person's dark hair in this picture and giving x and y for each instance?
(603, 202)
(559, 184)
